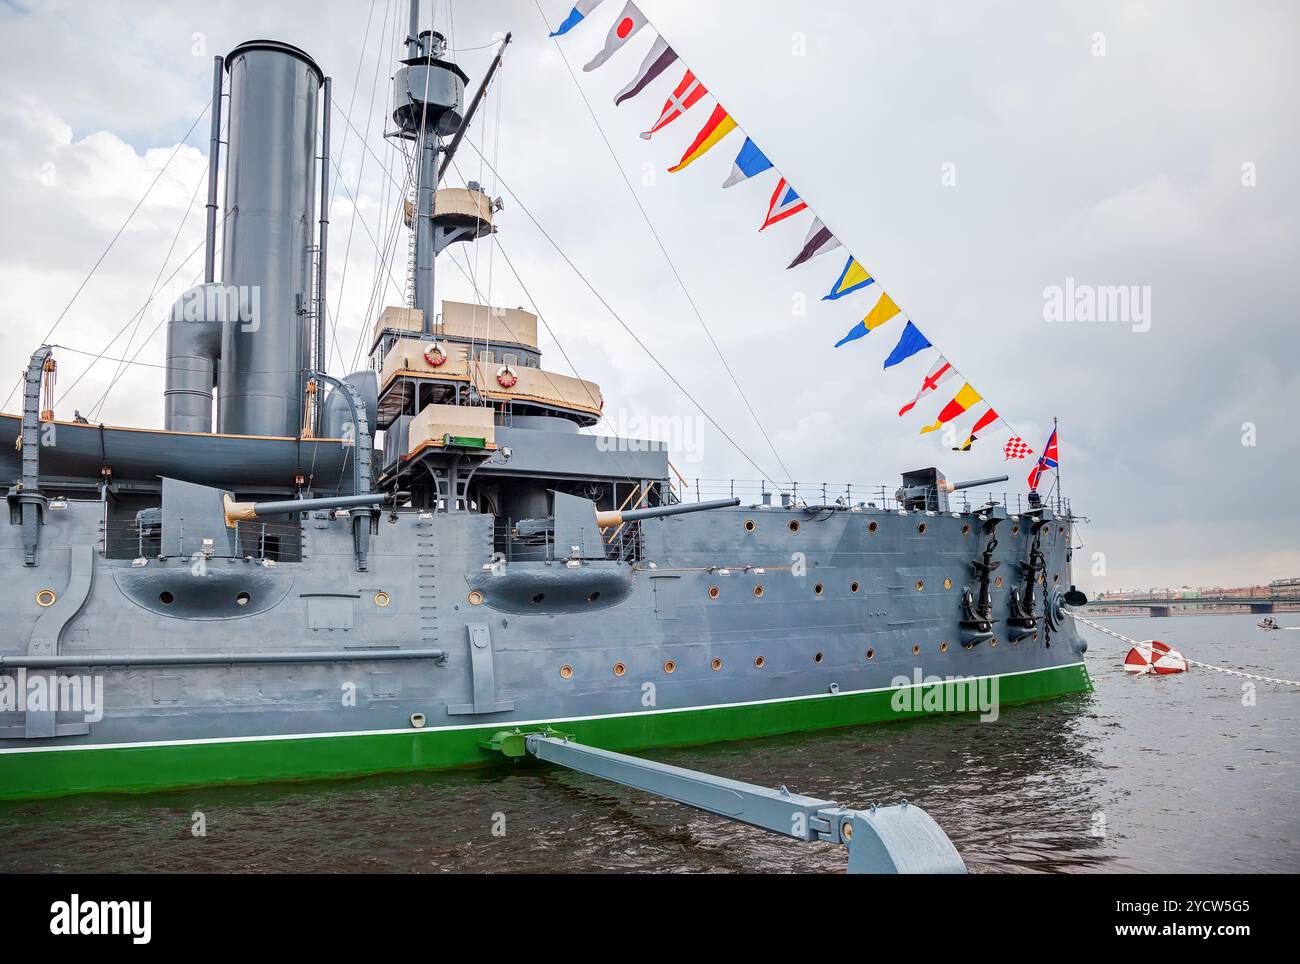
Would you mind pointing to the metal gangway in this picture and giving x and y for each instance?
(898, 839)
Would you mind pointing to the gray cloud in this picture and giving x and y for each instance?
(1122, 169)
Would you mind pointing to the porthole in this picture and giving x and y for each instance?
(594, 596)
(794, 525)
(243, 599)
(670, 666)
(166, 598)
(920, 528)
(817, 589)
(716, 664)
(965, 529)
(759, 662)
(758, 592)
(46, 598)
(947, 583)
(619, 669)
(540, 597)
(1015, 530)
(920, 585)
(872, 526)
(943, 647)
(818, 658)
(382, 599)
(853, 587)
(997, 583)
(714, 592)
(1016, 641)
(871, 654)
(916, 649)
(749, 525)
(993, 642)
(566, 671)
(1061, 529)
(1056, 577)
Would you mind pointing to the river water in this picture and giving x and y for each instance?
(1196, 772)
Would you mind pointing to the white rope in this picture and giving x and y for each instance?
(1192, 662)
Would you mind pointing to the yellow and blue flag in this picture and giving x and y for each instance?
(884, 310)
(853, 277)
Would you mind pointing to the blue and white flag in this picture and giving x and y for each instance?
(576, 15)
(749, 161)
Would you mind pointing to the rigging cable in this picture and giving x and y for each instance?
(627, 328)
(347, 248)
(195, 250)
(120, 230)
(119, 371)
(659, 241)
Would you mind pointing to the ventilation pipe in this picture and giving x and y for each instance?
(193, 351)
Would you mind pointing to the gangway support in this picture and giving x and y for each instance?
(881, 840)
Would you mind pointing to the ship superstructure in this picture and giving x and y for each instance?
(266, 593)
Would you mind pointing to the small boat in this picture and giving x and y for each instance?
(1268, 622)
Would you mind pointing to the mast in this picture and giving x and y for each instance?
(427, 96)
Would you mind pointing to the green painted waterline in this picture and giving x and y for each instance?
(54, 772)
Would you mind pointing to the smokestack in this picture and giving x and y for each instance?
(266, 258)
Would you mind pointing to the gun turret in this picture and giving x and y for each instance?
(247, 511)
(947, 486)
(616, 517)
(927, 489)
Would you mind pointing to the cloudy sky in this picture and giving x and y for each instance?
(971, 155)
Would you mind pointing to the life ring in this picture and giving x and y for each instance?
(435, 354)
(506, 377)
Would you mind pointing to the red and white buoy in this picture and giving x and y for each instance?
(1153, 656)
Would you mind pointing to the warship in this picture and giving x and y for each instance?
(433, 561)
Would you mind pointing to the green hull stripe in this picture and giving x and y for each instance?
(125, 768)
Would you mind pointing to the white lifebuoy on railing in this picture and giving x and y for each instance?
(506, 377)
(435, 354)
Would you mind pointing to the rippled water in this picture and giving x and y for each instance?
(1171, 774)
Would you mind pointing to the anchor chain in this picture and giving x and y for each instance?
(1192, 662)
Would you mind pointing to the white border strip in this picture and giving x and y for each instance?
(503, 724)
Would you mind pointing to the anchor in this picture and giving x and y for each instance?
(977, 616)
(900, 839)
(1024, 619)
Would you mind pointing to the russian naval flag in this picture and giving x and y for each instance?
(576, 16)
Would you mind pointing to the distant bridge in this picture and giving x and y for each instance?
(1164, 605)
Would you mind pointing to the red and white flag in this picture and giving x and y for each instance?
(625, 27)
(940, 373)
(1016, 449)
(785, 202)
(683, 98)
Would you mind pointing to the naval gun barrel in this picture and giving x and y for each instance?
(616, 517)
(954, 486)
(247, 511)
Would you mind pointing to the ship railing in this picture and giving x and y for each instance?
(855, 495)
(622, 544)
(258, 541)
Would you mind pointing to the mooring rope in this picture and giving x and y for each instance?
(1191, 662)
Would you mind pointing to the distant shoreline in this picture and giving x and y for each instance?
(1112, 611)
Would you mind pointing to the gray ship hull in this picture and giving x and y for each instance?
(732, 624)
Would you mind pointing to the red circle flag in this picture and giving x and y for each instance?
(624, 28)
